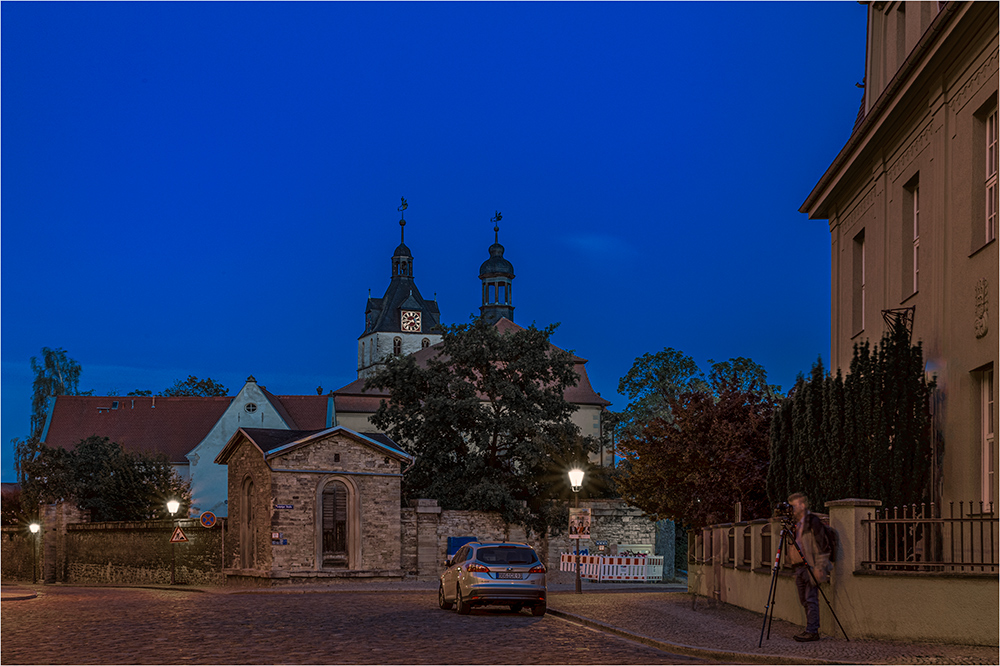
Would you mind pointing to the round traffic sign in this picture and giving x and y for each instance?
(207, 519)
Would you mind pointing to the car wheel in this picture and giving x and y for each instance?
(461, 605)
(443, 603)
(516, 607)
(538, 610)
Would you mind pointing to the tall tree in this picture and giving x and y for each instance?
(711, 453)
(485, 418)
(650, 383)
(866, 435)
(192, 386)
(55, 374)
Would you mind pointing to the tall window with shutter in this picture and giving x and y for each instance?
(334, 525)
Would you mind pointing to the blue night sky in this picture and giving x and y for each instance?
(211, 189)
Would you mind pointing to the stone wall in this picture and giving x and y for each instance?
(425, 528)
(16, 553)
(140, 553)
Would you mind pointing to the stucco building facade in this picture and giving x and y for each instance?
(912, 207)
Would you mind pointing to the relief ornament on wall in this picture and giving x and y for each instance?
(982, 308)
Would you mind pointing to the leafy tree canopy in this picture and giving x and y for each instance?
(99, 476)
(706, 451)
(192, 386)
(487, 421)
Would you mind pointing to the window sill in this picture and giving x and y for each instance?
(982, 247)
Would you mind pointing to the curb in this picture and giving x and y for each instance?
(18, 596)
(692, 650)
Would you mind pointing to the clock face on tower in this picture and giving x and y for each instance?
(410, 321)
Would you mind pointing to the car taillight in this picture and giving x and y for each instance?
(478, 568)
(538, 568)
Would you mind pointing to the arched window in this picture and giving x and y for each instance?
(371, 353)
(425, 343)
(335, 533)
(397, 346)
(362, 353)
(248, 529)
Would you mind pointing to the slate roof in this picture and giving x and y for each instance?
(151, 424)
(155, 424)
(382, 314)
(353, 397)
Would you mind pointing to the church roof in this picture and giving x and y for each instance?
(401, 294)
(354, 398)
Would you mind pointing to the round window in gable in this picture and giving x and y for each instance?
(250, 407)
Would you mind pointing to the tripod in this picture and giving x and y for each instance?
(786, 533)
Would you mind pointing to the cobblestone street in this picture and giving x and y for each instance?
(147, 626)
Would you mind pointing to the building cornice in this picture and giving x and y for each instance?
(816, 205)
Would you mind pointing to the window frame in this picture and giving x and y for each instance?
(990, 186)
(987, 439)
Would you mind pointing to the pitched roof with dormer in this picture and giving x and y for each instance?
(157, 424)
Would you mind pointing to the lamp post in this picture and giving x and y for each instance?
(172, 507)
(35, 529)
(576, 481)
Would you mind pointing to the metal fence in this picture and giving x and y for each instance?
(917, 538)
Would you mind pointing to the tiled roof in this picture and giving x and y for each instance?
(152, 424)
(306, 411)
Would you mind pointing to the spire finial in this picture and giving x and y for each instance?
(402, 217)
(496, 226)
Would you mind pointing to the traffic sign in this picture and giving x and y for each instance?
(178, 536)
(207, 519)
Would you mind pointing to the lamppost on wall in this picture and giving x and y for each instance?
(576, 481)
(35, 529)
(172, 507)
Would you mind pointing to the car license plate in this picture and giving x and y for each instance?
(504, 574)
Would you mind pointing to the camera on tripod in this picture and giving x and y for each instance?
(784, 512)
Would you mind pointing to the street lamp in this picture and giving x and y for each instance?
(172, 507)
(576, 481)
(35, 529)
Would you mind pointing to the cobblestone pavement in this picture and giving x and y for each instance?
(675, 617)
(157, 626)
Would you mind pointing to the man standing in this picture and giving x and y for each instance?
(810, 537)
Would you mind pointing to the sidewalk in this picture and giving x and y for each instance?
(678, 622)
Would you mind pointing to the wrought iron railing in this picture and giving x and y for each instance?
(918, 539)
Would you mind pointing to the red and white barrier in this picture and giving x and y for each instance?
(607, 568)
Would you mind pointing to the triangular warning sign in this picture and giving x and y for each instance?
(178, 536)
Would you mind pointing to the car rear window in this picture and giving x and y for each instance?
(506, 555)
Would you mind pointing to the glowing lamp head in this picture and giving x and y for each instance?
(576, 479)
(34, 527)
(172, 506)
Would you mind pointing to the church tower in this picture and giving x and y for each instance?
(497, 275)
(401, 322)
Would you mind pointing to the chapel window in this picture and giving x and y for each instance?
(335, 525)
(397, 346)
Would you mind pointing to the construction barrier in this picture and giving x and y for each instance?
(607, 568)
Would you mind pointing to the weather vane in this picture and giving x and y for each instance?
(402, 217)
(496, 226)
